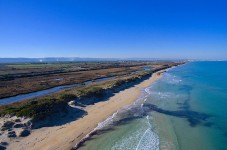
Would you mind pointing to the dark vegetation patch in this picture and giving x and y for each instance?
(194, 118)
(37, 109)
(2, 147)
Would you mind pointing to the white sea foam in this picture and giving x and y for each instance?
(171, 79)
(111, 118)
(163, 95)
(148, 137)
(147, 90)
(128, 142)
(149, 141)
(149, 121)
(141, 139)
(106, 122)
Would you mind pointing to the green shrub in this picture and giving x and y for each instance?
(37, 109)
(88, 91)
(68, 96)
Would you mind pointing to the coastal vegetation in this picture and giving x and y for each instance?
(39, 108)
(24, 78)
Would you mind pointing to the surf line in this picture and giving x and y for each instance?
(142, 138)
(144, 133)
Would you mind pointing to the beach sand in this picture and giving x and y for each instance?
(68, 135)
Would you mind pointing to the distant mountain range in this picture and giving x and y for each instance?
(72, 59)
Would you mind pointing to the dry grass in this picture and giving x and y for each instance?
(23, 80)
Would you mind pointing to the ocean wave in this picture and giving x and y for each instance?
(144, 138)
(128, 142)
(160, 95)
(135, 110)
(171, 79)
(149, 140)
(115, 118)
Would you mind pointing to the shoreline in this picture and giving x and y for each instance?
(71, 134)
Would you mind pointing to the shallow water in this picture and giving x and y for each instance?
(184, 110)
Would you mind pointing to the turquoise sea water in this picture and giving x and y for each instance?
(185, 110)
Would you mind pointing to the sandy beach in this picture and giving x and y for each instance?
(68, 135)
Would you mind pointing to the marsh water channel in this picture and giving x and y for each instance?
(40, 93)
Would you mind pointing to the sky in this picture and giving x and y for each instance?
(190, 29)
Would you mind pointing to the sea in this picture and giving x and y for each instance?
(185, 110)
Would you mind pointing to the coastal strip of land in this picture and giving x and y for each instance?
(66, 136)
(24, 78)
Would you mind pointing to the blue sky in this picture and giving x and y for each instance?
(114, 28)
